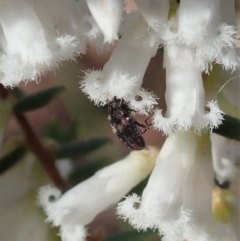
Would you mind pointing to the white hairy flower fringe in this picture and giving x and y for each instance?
(38, 35)
(177, 198)
(123, 79)
(198, 26)
(92, 84)
(185, 97)
(80, 205)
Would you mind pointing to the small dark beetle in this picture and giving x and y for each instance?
(124, 125)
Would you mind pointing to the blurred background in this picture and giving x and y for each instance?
(72, 116)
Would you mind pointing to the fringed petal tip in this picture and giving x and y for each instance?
(99, 89)
(68, 48)
(91, 84)
(149, 218)
(198, 122)
(175, 229)
(121, 85)
(219, 49)
(164, 124)
(215, 116)
(47, 57)
(47, 195)
(70, 232)
(143, 102)
(130, 210)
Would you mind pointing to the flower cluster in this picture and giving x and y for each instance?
(36, 37)
(177, 200)
(81, 204)
(194, 35)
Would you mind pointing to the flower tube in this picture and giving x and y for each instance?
(108, 15)
(168, 202)
(198, 193)
(155, 12)
(184, 96)
(81, 204)
(122, 75)
(34, 42)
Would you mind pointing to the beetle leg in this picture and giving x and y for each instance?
(147, 124)
(143, 126)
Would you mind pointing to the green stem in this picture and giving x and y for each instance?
(230, 128)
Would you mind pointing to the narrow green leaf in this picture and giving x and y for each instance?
(79, 148)
(9, 160)
(59, 132)
(230, 128)
(83, 172)
(37, 100)
(17, 92)
(130, 236)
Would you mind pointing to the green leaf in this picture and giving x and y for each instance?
(17, 92)
(79, 148)
(59, 132)
(230, 128)
(88, 169)
(37, 100)
(12, 158)
(131, 236)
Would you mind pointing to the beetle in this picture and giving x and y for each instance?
(124, 125)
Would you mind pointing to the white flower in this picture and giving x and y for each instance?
(80, 205)
(122, 75)
(37, 36)
(177, 198)
(154, 12)
(202, 26)
(184, 96)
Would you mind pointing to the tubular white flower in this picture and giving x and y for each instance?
(108, 15)
(122, 75)
(226, 154)
(198, 25)
(25, 54)
(80, 205)
(198, 193)
(37, 35)
(184, 96)
(170, 202)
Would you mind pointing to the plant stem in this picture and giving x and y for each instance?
(45, 157)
